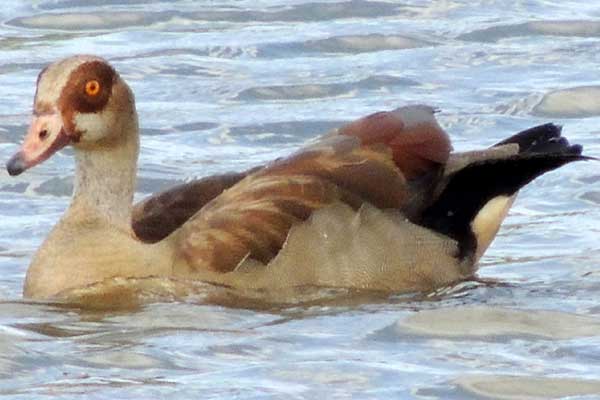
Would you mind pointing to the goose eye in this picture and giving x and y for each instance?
(92, 88)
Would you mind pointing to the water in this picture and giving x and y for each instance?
(224, 85)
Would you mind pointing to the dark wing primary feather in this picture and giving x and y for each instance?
(501, 170)
(546, 138)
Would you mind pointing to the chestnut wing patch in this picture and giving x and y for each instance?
(416, 140)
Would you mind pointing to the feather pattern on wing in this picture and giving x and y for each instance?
(362, 162)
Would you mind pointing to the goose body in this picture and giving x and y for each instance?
(382, 203)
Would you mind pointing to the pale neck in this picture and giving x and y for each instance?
(105, 178)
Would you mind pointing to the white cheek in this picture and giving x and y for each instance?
(94, 126)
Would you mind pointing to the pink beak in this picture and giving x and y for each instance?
(45, 137)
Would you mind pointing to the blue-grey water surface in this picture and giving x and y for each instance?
(224, 85)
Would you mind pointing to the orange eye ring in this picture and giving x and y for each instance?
(92, 88)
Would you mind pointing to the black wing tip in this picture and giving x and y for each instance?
(581, 157)
(543, 139)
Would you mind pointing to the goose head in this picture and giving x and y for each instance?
(80, 101)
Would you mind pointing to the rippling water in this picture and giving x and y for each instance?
(224, 85)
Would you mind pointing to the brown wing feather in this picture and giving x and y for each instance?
(416, 140)
(159, 215)
(368, 173)
(367, 161)
(252, 220)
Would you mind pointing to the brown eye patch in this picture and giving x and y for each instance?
(88, 87)
(87, 90)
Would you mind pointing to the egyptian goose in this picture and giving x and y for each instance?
(381, 203)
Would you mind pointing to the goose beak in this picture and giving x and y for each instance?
(45, 137)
